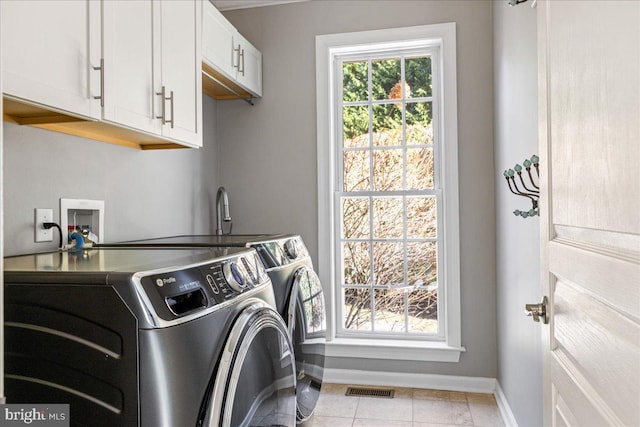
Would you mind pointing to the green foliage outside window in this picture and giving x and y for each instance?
(386, 75)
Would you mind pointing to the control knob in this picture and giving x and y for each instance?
(291, 249)
(260, 271)
(235, 276)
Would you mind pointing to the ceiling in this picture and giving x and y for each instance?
(244, 4)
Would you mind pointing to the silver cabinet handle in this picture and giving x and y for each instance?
(163, 115)
(101, 68)
(239, 54)
(172, 119)
(163, 111)
(242, 56)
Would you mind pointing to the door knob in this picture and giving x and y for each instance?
(537, 311)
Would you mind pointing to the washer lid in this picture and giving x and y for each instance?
(103, 259)
(205, 240)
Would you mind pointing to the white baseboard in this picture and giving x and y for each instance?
(395, 379)
(504, 408)
(438, 382)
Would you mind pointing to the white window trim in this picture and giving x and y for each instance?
(327, 46)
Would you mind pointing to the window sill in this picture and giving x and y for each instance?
(393, 350)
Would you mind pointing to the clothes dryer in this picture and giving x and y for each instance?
(148, 337)
(299, 299)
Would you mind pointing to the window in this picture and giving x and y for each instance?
(387, 183)
(386, 190)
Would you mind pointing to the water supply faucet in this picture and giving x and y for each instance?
(222, 210)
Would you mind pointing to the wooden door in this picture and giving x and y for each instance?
(589, 116)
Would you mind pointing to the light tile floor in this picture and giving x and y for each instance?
(411, 407)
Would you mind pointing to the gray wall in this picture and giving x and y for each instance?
(146, 193)
(518, 248)
(266, 156)
(268, 151)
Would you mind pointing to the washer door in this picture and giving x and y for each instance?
(306, 320)
(255, 381)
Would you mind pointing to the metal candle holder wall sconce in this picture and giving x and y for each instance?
(532, 194)
(517, 2)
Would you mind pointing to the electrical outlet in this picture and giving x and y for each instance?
(42, 216)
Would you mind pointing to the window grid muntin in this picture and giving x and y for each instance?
(435, 122)
(436, 191)
(371, 186)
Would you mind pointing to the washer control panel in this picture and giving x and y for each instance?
(291, 249)
(226, 279)
(180, 293)
(231, 277)
(282, 252)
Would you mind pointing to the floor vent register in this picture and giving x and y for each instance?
(370, 392)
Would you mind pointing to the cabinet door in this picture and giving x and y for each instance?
(181, 72)
(128, 62)
(249, 65)
(49, 54)
(217, 41)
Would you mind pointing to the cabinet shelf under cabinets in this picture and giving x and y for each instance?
(22, 112)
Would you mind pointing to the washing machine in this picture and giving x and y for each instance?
(299, 298)
(148, 337)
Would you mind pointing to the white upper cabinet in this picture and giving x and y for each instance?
(180, 57)
(248, 65)
(49, 51)
(217, 40)
(152, 67)
(129, 83)
(125, 72)
(229, 60)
